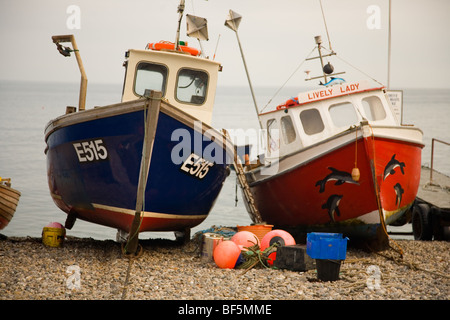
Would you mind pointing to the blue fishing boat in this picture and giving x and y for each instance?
(153, 159)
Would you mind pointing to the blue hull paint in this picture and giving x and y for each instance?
(81, 186)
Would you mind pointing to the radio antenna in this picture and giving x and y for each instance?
(325, 23)
(180, 16)
(217, 44)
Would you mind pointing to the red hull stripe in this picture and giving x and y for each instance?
(121, 218)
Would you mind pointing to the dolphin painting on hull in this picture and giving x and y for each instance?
(391, 166)
(341, 177)
(332, 205)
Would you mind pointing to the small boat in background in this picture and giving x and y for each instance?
(9, 198)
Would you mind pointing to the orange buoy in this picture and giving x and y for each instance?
(281, 237)
(226, 254)
(245, 239)
(356, 174)
(247, 159)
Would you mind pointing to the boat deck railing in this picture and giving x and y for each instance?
(432, 155)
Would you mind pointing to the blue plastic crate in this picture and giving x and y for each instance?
(331, 246)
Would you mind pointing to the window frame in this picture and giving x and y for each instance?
(165, 77)
(369, 108)
(288, 139)
(205, 97)
(333, 118)
(271, 136)
(307, 132)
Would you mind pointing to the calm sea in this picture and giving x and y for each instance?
(26, 107)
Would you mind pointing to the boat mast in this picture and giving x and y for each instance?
(389, 49)
(319, 42)
(327, 69)
(232, 22)
(180, 17)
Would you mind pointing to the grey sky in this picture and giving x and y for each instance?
(276, 37)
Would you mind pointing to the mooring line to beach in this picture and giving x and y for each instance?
(125, 285)
(131, 258)
(399, 249)
(412, 265)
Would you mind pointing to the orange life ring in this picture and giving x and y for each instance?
(165, 45)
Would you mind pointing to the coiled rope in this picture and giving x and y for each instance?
(254, 257)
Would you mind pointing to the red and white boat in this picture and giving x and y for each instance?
(318, 144)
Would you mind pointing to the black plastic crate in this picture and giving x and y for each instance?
(294, 258)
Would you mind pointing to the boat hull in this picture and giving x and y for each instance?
(9, 199)
(314, 191)
(93, 165)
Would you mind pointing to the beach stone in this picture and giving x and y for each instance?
(29, 271)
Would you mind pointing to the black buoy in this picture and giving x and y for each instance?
(328, 68)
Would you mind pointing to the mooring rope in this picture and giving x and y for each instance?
(399, 249)
(143, 180)
(412, 265)
(254, 257)
(226, 232)
(131, 258)
(125, 285)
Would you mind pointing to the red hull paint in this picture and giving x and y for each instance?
(294, 198)
(398, 188)
(3, 222)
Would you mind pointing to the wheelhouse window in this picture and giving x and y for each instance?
(192, 86)
(343, 114)
(273, 138)
(311, 121)
(150, 76)
(287, 129)
(373, 108)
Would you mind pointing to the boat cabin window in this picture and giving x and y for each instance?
(373, 108)
(287, 129)
(343, 114)
(191, 86)
(311, 121)
(273, 138)
(150, 76)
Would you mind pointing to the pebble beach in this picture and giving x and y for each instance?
(88, 269)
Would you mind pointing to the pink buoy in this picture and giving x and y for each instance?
(283, 238)
(245, 239)
(226, 254)
(54, 225)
